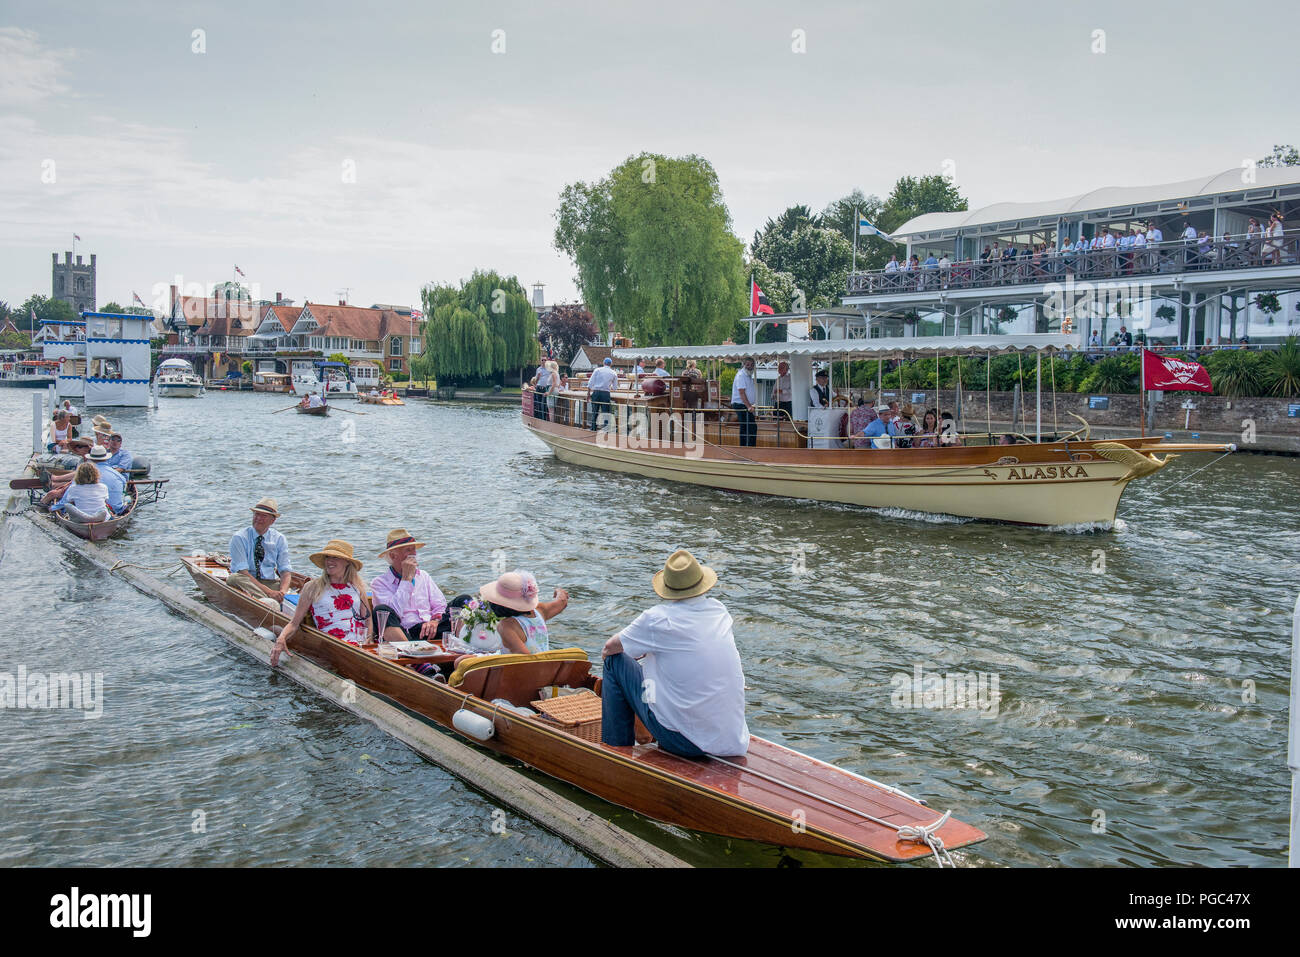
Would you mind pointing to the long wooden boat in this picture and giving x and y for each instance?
(319, 410)
(772, 794)
(1068, 482)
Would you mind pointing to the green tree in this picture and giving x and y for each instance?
(819, 259)
(338, 357)
(788, 223)
(654, 251)
(1284, 154)
(46, 309)
(485, 327)
(913, 196)
(113, 307)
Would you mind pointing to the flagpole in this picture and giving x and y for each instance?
(857, 228)
(1142, 392)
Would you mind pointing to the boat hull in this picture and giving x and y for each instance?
(99, 531)
(179, 391)
(1023, 484)
(705, 796)
(319, 410)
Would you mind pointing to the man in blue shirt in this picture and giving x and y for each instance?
(882, 426)
(259, 556)
(602, 382)
(118, 457)
(112, 479)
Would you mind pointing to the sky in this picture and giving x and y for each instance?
(374, 147)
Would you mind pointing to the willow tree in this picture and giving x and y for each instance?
(482, 328)
(654, 250)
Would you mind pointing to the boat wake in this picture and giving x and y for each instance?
(1086, 528)
(932, 518)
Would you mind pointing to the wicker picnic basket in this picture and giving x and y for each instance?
(578, 714)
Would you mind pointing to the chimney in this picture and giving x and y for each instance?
(172, 309)
(342, 302)
(78, 260)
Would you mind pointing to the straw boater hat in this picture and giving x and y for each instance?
(99, 419)
(683, 577)
(269, 506)
(98, 454)
(398, 538)
(337, 548)
(514, 590)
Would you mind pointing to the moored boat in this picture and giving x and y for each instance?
(772, 794)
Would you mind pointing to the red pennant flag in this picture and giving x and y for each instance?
(758, 304)
(1167, 374)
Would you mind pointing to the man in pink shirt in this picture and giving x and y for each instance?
(408, 605)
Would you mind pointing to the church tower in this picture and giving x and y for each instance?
(74, 283)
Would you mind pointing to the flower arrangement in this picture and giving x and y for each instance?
(477, 612)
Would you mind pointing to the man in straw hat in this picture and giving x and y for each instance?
(688, 690)
(259, 556)
(408, 605)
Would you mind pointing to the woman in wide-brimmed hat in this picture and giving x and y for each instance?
(521, 616)
(336, 600)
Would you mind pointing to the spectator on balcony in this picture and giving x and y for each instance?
(930, 273)
(1274, 234)
(1253, 237)
(1204, 249)
(1125, 338)
(1094, 341)
(1228, 250)
(892, 265)
(945, 270)
(1154, 238)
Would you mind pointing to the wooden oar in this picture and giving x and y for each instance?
(26, 483)
(348, 411)
(278, 411)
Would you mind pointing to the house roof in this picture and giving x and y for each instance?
(596, 355)
(287, 315)
(356, 322)
(216, 316)
(1106, 198)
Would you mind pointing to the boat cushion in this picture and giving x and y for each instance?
(517, 677)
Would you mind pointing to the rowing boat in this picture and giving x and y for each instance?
(379, 399)
(98, 531)
(318, 410)
(772, 794)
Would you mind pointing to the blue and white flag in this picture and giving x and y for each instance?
(866, 229)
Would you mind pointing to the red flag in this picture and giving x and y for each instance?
(758, 304)
(238, 270)
(1167, 374)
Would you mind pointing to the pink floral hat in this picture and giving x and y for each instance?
(513, 590)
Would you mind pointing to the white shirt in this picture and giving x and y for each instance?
(1107, 241)
(314, 401)
(603, 379)
(1155, 235)
(1140, 239)
(91, 498)
(72, 410)
(815, 400)
(543, 377)
(744, 381)
(694, 682)
(1189, 234)
(891, 266)
(783, 388)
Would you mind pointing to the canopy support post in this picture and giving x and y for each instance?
(1038, 389)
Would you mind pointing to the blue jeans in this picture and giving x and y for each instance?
(622, 698)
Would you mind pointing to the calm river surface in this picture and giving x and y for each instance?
(1143, 671)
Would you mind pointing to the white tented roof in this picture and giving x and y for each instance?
(1105, 198)
(890, 348)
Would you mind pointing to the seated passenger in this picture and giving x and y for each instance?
(259, 556)
(882, 428)
(315, 401)
(677, 669)
(63, 470)
(406, 600)
(1007, 439)
(336, 600)
(118, 457)
(929, 436)
(59, 432)
(502, 602)
(86, 500)
(112, 479)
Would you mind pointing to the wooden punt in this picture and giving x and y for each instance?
(319, 410)
(772, 794)
(379, 399)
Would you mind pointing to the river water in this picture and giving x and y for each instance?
(1143, 671)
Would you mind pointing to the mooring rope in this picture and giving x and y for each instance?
(927, 833)
(1165, 488)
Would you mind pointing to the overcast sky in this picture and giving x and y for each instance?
(169, 161)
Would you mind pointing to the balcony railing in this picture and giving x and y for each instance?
(1177, 256)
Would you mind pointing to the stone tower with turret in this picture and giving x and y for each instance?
(74, 283)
